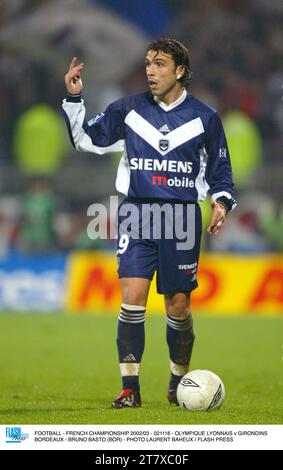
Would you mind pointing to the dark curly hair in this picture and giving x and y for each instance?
(179, 53)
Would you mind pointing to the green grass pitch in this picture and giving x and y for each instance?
(63, 369)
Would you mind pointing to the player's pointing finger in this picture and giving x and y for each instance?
(73, 63)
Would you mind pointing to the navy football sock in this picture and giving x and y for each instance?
(130, 343)
(180, 340)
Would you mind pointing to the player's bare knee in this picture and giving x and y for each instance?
(134, 297)
(134, 300)
(135, 291)
(179, 310)
(178, 305)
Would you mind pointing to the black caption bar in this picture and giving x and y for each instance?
(128, 458)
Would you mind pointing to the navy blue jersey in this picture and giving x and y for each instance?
(172, 153)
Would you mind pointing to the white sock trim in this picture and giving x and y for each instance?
(133, 307)
(129, 368)
(180, 323)
(132, 315)
(178, 369)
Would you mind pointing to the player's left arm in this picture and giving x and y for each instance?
(218, 175)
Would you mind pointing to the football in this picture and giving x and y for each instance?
(200, 390)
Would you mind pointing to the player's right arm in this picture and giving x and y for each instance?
(102, 134)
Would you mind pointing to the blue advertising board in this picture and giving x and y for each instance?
(32, 282)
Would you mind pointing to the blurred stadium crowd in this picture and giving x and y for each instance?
(236, 57)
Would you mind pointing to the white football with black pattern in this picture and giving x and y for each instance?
(200, 390)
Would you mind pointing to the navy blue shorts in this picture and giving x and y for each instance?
(166, 241)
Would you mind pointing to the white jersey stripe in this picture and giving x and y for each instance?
(152, 136)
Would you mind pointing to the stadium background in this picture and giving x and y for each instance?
(47, 262)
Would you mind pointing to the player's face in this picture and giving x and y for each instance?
(162, 73)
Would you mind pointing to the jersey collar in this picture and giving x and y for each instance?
(172, 105)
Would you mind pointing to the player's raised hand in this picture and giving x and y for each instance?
(217, 219)
(73, 80)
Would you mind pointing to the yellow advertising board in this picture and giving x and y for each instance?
(228, 285)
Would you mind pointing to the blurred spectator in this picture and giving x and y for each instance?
(36, 233)
(40, 140)
(243, 233)
(271, 225)
(244, 145)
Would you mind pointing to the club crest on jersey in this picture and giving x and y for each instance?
(164, 144)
